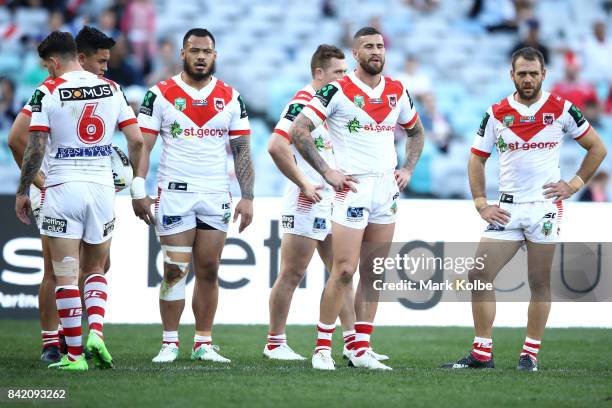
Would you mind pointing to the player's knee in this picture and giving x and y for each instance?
(207, 270)
(478, 274)
(539, 286)
(67, 269)
(175, 277)
(292, 277)
(343, 272)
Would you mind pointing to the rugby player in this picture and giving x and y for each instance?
(196, 114)
(362, 111)
(527, 129)
(78, 211)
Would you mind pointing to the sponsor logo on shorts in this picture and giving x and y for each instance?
(354, 213)
(171, 221)
(173, 185)
(54, 225)
(319, 224)
(109, 227)
(493, 227)
(547, 227)
(395, 196)
(36, 214)
(394, 208)
(288, 221)
(226, 217)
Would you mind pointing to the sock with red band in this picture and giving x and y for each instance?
(95, 293)
(349, 339)
(199, 340)
(531, 347)
(324, 336)
(363, 330)
(69, 308)
(275, 340)
(483, 348)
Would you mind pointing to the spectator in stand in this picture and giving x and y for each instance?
(138, 23)
(9, 106)
(437, 127)
(166, 64)
(425, 6)
(596, 189)
(572, 87)
(120, 68)
(597, 52)
(415, 80)
(532, 39)
(107, 23)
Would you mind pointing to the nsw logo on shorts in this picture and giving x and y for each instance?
(493, 227)
(109, 227)
(288, 221)
(354, 213)
(319, 224)
(54, 225)
(171, 221)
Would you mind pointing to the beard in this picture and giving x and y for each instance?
(199, 75)
(371, 69)
(523, 95)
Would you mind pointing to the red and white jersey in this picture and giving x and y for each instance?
(320, 135)
(195, 126)
(80, 111)
(528, 140)
(362, 122)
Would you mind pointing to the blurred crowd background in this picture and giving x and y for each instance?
(452, 55)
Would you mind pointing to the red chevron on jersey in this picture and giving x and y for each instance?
(53, 83)
(218, 99)
(384, 105)
(302, 96)
(526, 127)
(110, 81)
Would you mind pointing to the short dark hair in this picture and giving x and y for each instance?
(58, 43)
(322, 56)
(89, 40)
(362, 32)
(528, 53)
(198, 32)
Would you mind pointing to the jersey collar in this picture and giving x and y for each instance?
(528, 110)
(191, 91)
(375, 92)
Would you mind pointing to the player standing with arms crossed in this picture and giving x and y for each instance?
(527, 128)
(93, 49)
(306, 213)
(362, 111)
(196, 114)
(76, 113)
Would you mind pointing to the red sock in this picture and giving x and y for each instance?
(68, 301)
(50, 338)
(349, 339)
(199, 340)
(324, 336)
(483, 348)
(169, 337)
(96, 290)
(363, 330)
(531, 347)
(275, 340)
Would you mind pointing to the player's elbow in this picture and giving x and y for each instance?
(275, 149)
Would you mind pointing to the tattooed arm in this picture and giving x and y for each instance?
(414, 147)
(32, 159)
(300, 133)
(243, 166)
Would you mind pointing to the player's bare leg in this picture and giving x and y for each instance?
(496, 254)
(207, 257)
(65, 261)
(539, 264)
(49, 320)
(177, 249)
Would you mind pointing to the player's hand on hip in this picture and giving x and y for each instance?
(244, 209)
(312, 192)
(402, 177)
(142, 209)
(23, 208)
(340, 181)
(495, 215)
(559, 191)
(39, 180)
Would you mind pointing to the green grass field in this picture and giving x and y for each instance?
(575, 370)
